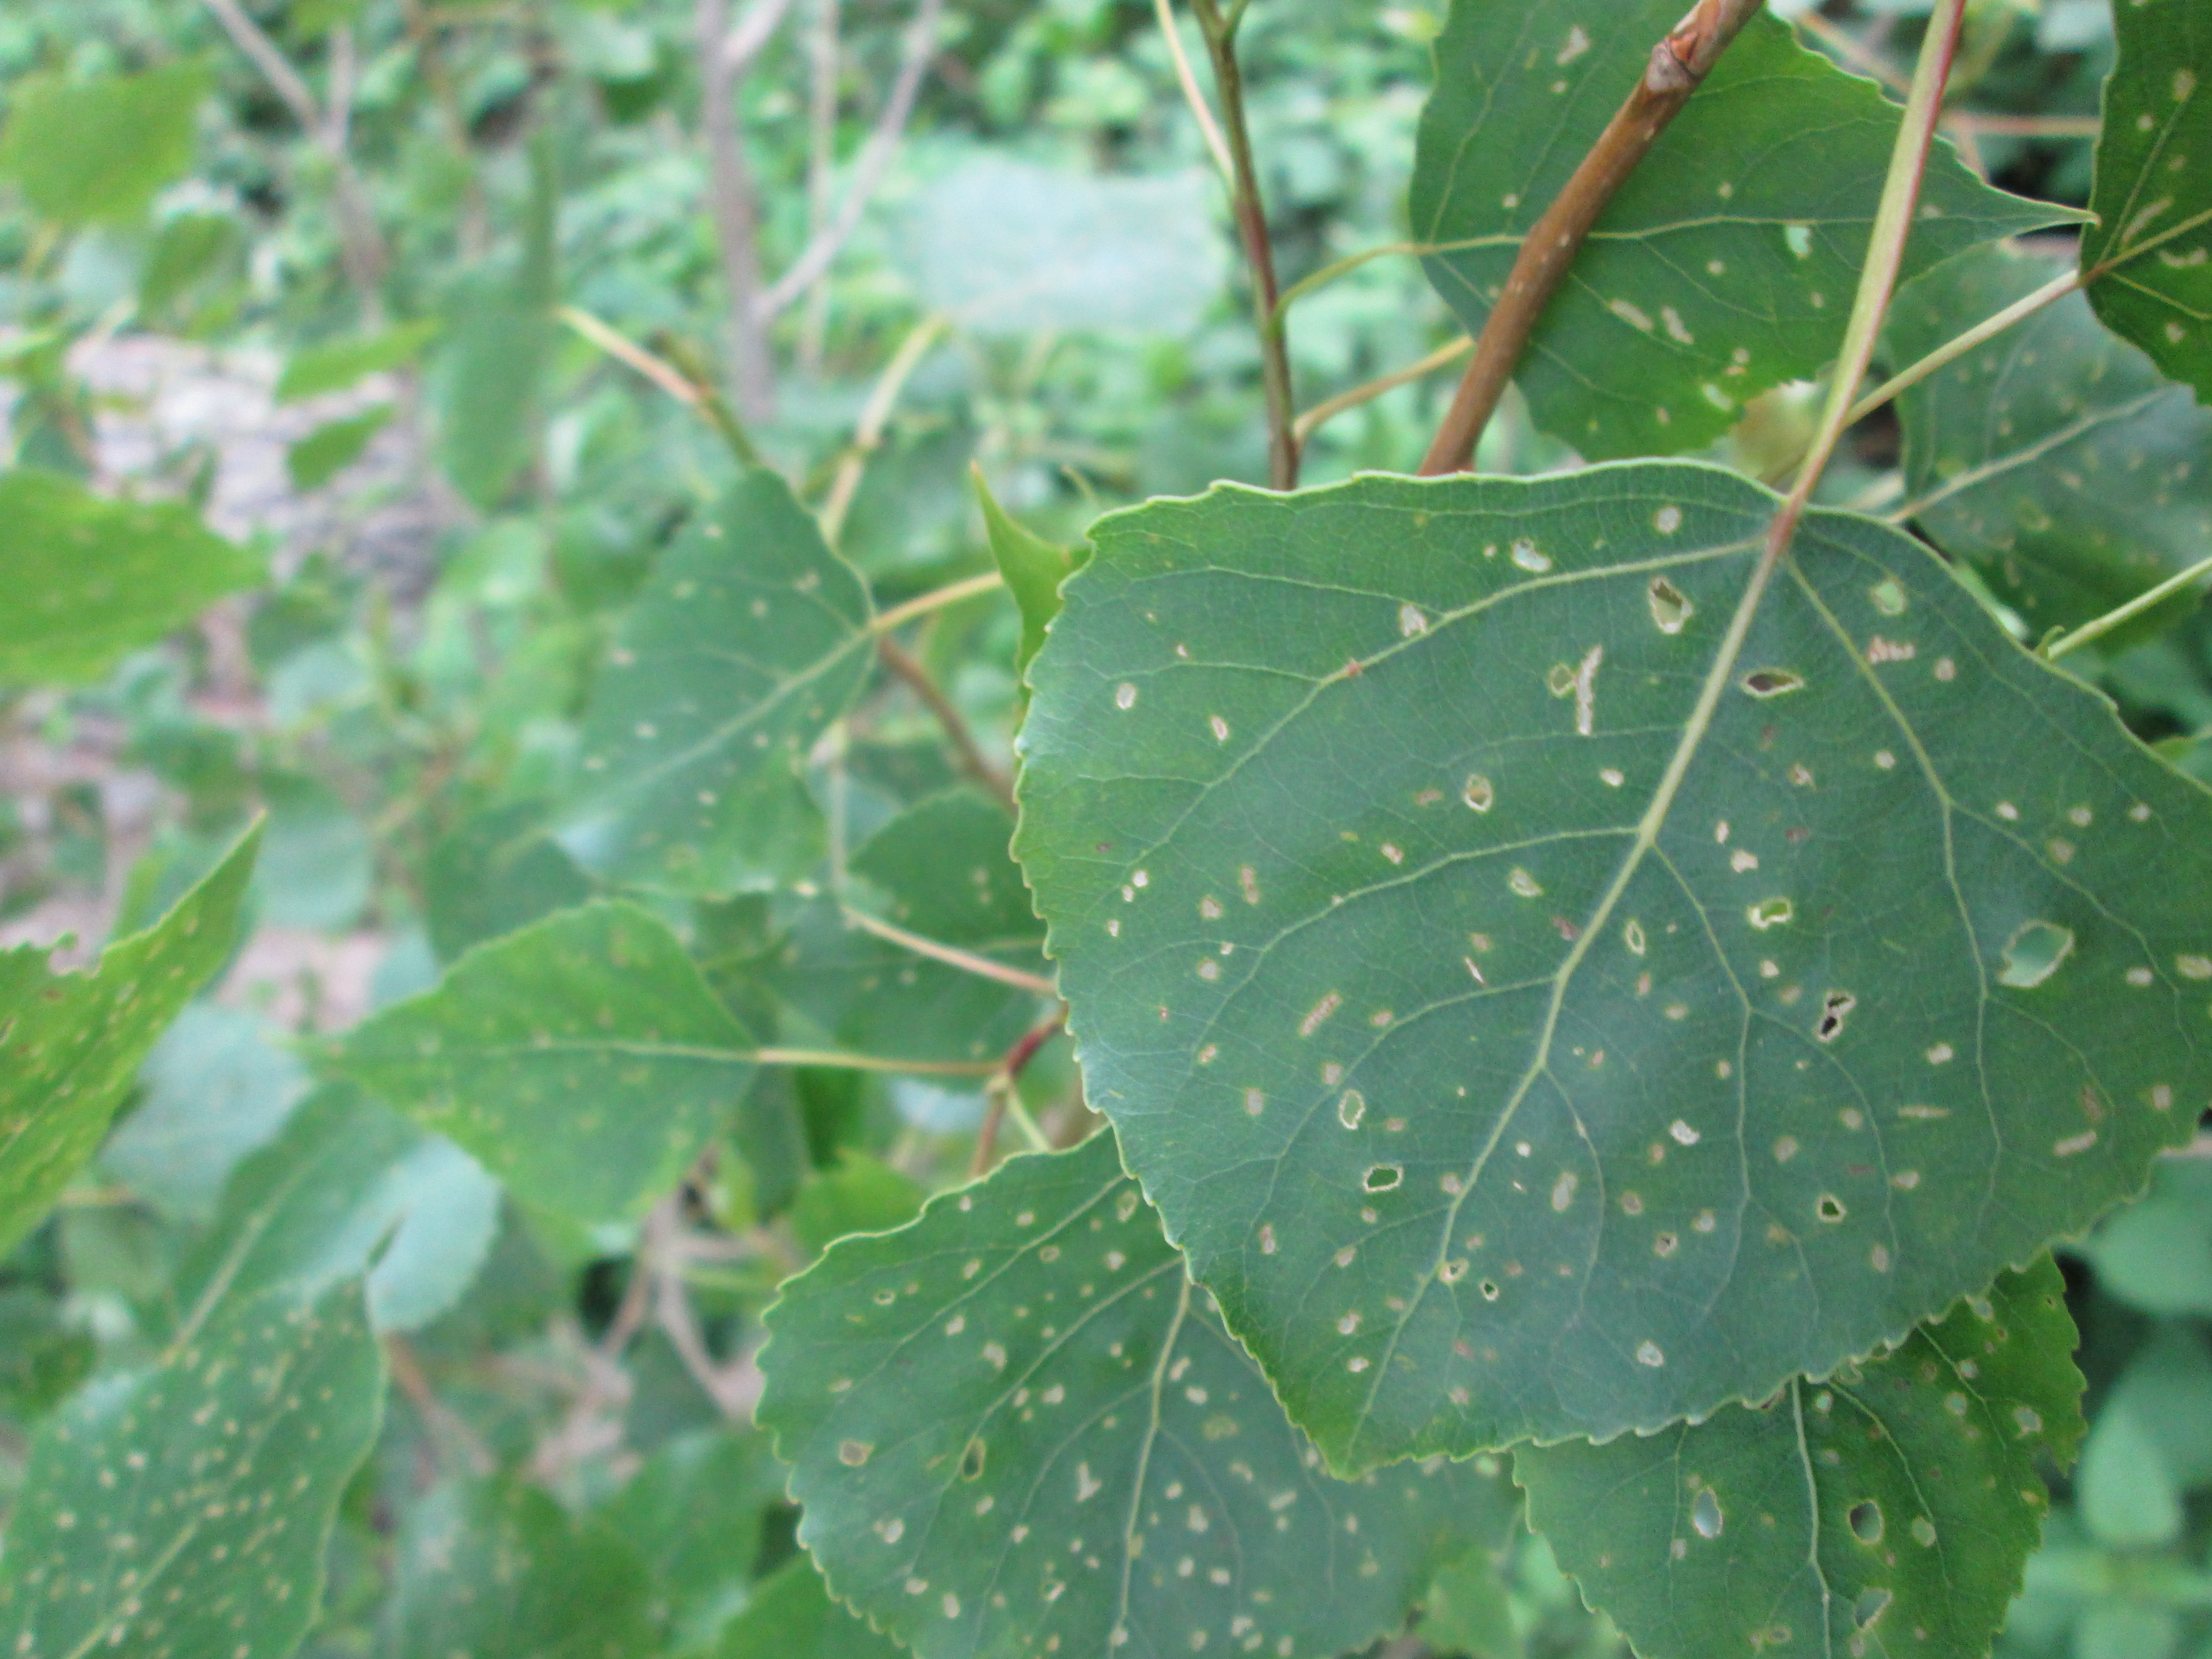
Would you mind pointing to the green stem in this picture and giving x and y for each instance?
(2134, 608)
(1952, 350)
(830, 1060)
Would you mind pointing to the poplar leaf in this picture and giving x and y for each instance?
(1016, 1427)
(1032, 566)
(1888, 1510)
(1727, 262)
(1512, 991)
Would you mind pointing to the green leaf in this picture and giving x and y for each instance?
(1890, 1509)
(185, 1510)
(1505, 1031)
(334, 365)
(751, 639)
(2156, 1255)
(1016, 1421)
(792, 1616)
(2054, 460)
(100, 149)
(694, 1512)
(96, 579)
(2153, 206)
(493, 1570)
(1033, 567)
(333, 446)
(71, 1044)
(350, 1188)
(319, 866)
(2151, 1443)
(582, 1060)
(497, 871)
(1469, 1610)
(1726, 264)
(215, 1088)
(862, 1194)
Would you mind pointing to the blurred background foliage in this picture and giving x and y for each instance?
(344, 276)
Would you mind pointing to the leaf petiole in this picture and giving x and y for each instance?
(2144, 601)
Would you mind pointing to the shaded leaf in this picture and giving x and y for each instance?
(1889, 1509)
(350, 1188)
(487, 383)
(2152, 198)
(71, 1044)
(2156, 1255)
(1032, 566)
(96, 579)
(862, 1194)
(87, 150)
(318, 864)
(1724, 265)
(1016, 1420)
(185, 1510)
(332, 447)
(1505, 1030)
(493, 1570)
(694, 1513)
(497, 871)
(792, 1616)
(2152, 1443)
(2054, 459)
(751, 638)
(334, 365)
(583, 1060)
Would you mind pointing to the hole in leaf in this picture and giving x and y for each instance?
(1489, 1291)
(1771, 912)
(1478, 793)
(1872, 1604)
(1382, 1177)
(1705, 1514)
(1670, 606)
(1831, 1207)
(2033, 954)
(1889, 597)
(1866, 1522)
(1773, 681)
(971, 1461)
(1834, 1009)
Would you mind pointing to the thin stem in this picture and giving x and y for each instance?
(2128, 612)
(1208, 128)
(967, 960)
(1251, 213)
(1003, 1099)
(824, 54)
(624, 349)
(830, 1060)
(875, 413)
(1322, 413)
(1952, 350)
(734, 204)
(937, 599)
(966, 751)
(711, 402)
(1677, 65)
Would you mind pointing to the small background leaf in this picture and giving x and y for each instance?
(101, 149)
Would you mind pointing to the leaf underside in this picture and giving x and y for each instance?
(1887, 1510)
(582, 1060)
(2054, 459)
(1017, 1428)
(1724, 265)
(2153, 160)
(1496, 1094)
(185, 1511)
(750, 640)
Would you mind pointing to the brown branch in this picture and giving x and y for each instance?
(823, 56)
(1677, 65)
(1251, 213)
(734, 205)
(1003, 1085)
(965, 748)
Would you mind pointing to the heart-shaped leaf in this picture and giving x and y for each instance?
(1888, 1510)
(1516, 971)
(1726, 263)
(1017, 1427)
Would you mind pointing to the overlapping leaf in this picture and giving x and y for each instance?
(2153, 197)
(71, 1043)
(582, 1060)
(1017, 1427)
(1512, 992)
(793, 1618)
(185, 1510)
(2054, 459)
(90, 579)
(1888, 1510)
(751, 638)
(1727, 262)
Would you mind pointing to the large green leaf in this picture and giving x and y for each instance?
(101, 149)
(2152, 191)
(71, 1044)
(2054, 460)
(350, 1188)
(1017, 1427)
(751, 639)
(1512, 992)
(1726, 264)
(1888, 1510)
(90, 579)
(493, 1570)
(496, 872)
(185, 1510)
(583, 1059)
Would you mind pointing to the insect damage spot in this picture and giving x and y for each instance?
(1870, 1606)
(1382, 1177)
(2034, 953)
(1478, 793)
(1835, 1008)
(1773, 681)
(1705, 1514)
(1771, 912)
(1866, 1522)
(1670, 607)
